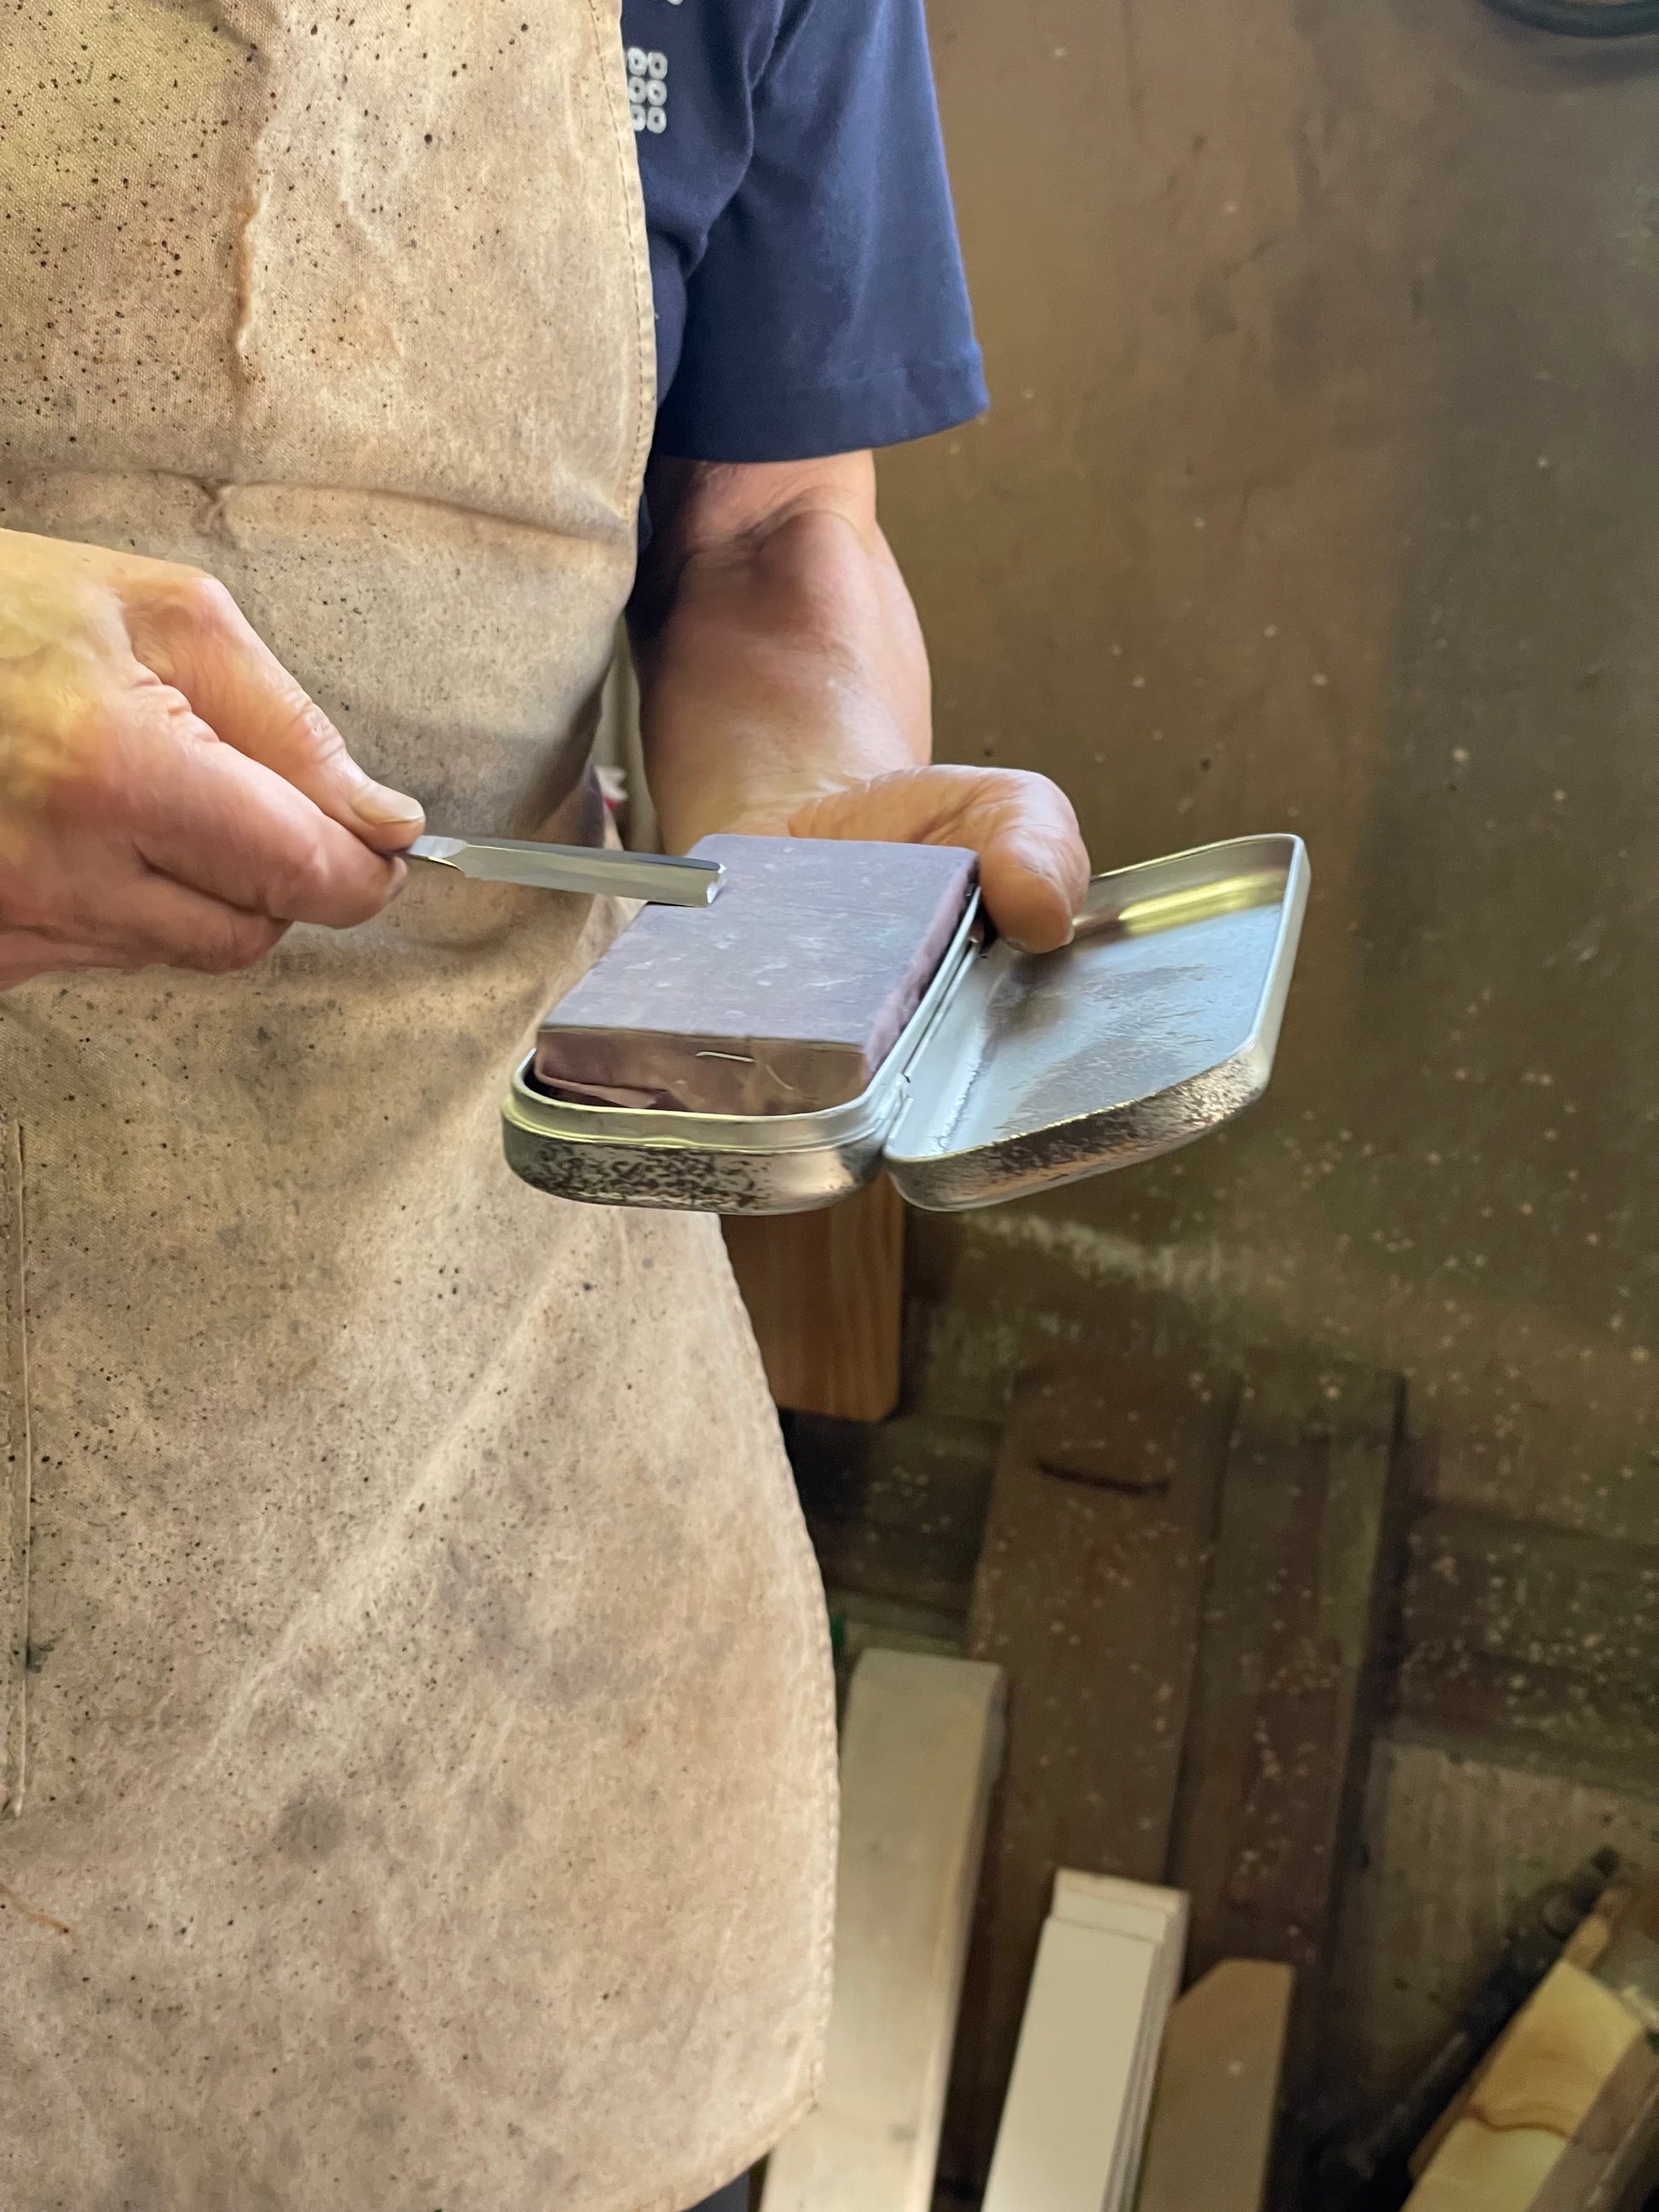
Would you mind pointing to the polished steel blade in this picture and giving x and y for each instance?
(659, 879)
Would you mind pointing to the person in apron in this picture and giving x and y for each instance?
(417, 1736)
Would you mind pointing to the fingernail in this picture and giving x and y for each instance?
(375, 804)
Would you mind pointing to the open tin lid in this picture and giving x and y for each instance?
(1156, 1024)
(1018, 1071)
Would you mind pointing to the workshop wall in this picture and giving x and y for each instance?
(1322, 490)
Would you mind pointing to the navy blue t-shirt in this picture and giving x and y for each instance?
(809, 287)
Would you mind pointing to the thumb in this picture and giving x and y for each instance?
(1033, 864)
(188, 628)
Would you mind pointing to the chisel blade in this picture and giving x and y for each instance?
(660, 879)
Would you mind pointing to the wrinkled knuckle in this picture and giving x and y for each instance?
(312, 886)
(314, 735)
(237, 943)
(174, 725)
(210, 604)
(309, 878)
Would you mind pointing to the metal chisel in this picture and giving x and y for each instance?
(659, 879)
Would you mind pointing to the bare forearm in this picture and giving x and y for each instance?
(784, 689)
(779, 662)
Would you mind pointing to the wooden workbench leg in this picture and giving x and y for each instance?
(825, 1292)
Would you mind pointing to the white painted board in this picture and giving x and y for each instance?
(921, 1744)
(1107, 1969)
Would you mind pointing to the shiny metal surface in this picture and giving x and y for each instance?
(1017, 1072)
(660, 879)
(1156, 1024)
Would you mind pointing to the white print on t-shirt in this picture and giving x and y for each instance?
(647, 88)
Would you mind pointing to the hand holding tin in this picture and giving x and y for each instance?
(785, 693)
(1033, 865)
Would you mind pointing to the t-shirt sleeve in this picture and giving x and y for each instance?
(830, 310)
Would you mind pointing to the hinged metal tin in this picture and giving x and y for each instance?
(1017, 1072)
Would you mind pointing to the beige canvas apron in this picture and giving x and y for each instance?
(417, 1732)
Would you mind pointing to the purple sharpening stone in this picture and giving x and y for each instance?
(784, 997)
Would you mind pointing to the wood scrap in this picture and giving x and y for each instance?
(1088, 1593)
(825, 1294)
(1374, 2162)
(1071, 2134)
(1585, 1948)
(1217, 2083)
(921, 1745)
(1572, 2070)
(1613, 2163)
(1078, 1420)
(1289, 1680)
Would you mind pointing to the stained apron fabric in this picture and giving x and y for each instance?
(419, 1737)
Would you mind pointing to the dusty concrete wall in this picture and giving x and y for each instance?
(1322, 490)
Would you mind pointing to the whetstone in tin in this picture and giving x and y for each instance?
(784, 997)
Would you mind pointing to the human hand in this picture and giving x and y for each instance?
(168, 794)
(1033, 867)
